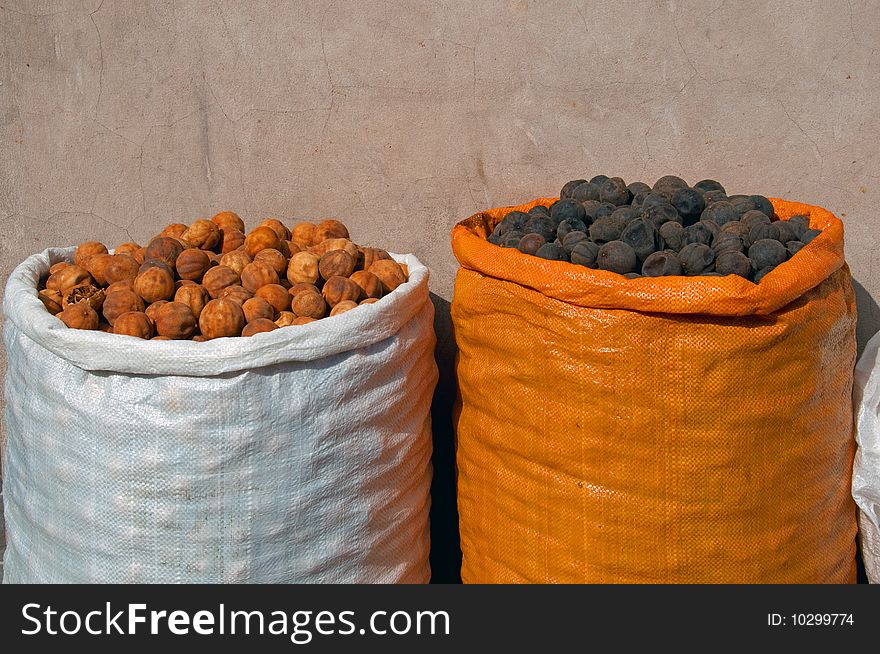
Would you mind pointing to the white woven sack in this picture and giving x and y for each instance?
(300, 455)
(866, 468)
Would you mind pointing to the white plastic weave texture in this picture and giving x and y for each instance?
(301, 455)
(866, 468)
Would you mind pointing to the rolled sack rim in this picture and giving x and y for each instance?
(99, 351)
(731, 295)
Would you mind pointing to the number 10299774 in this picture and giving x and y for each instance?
(810, 620)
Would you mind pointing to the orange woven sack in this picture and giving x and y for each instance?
(670, 429)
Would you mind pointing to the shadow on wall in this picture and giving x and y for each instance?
(869, 315)
(445, 547)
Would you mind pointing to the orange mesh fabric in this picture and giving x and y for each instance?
(654, 430)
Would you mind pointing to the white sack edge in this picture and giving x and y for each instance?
(866, 467)
(95, 350)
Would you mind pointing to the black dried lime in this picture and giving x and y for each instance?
(585, 191)
(568, 187)
(541, 225)
(809, 235)
(572, 239)
(721, 212)
(733, 263)
(552, 251)
(530, 243)
(585, 253)
(618, 257)
(696, 258)
(641, 236)
(673, 235)
(767, 253)
(614, 190)
(606, 229)
(689, 203)
(660, 264)
(709, 185)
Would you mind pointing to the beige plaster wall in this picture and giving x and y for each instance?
(403, 117)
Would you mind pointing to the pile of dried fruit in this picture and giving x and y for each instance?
(669, 229)
(210, 279)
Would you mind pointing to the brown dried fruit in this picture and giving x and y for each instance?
(369, 256)
(154, 284)
(285, 319)
(324, 247)
(155, 263)
(218, 278)
(273, 258)
(237, 293)
(236, 260)
(276, 295)
(128, 248)
(338, 289)
(389, 273)
(200, 338)
(121, 285)
(303, 267)
(257, 274)
(87, 250)
(259, 326)
(271, 275)
(336, 263)
(228, 220)
(51, 300)
(330, 229)
(161, 338)
(61, 265)
(79, 316)
(176, 321)
(105, 327)
(84, 293)
(308, 304)
(257, 307)
(278, 227)
(221, 318)
(288, 248)
(303, 234)
(119, 302)
(194, 296)
(192, 264)
(68, 277)
(97, 267)
(164, 248)
(154, 308)
(202, 234)
(260, 239)
(342, 307)
(371, 286)
(134, 323)
(174, 230)
(296, 289)
(231, 241)
(121, 267)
